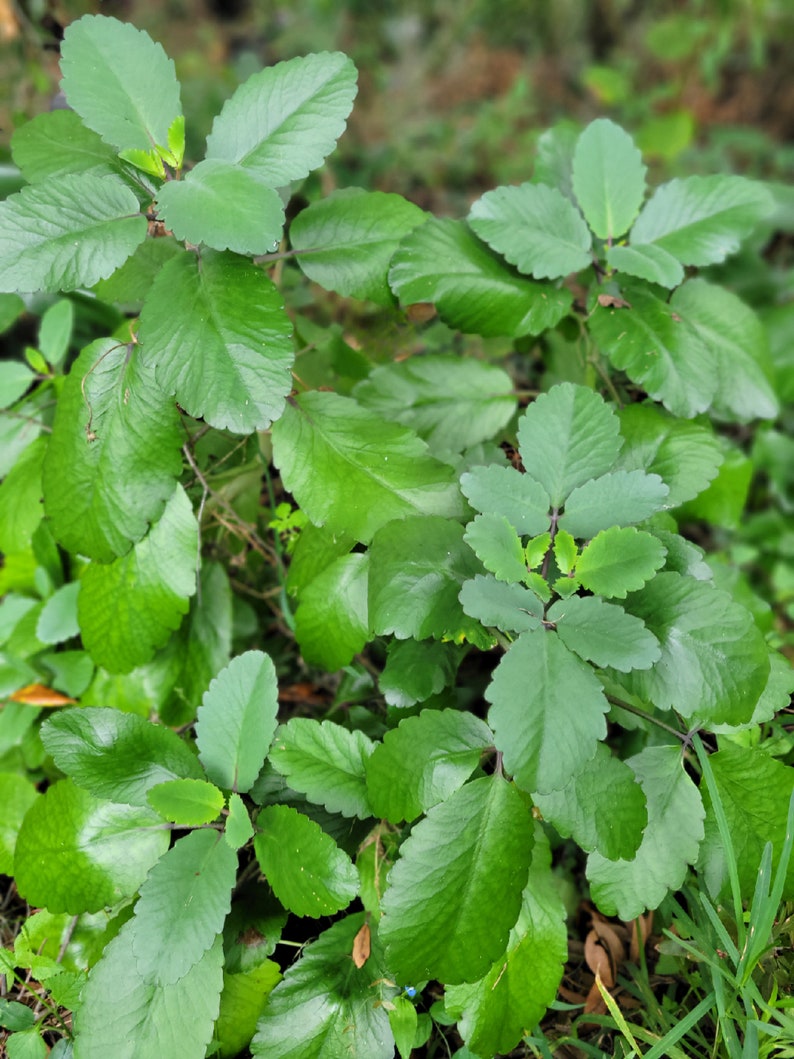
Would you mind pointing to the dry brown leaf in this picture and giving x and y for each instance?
(610, 935)
(362, 944)
(9, 23)
(641, 926)
(39, 695)
(598, 959)
(610, 301)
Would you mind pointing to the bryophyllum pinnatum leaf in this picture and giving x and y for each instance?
(685, 454)
(239, 829)
(352, 472)
(474, 290)
(307, 871)
(547, 711)
(128, 608)
(737, 338)
(58, 618)
(326, 762)
(566, 437)
(182, 906)
(714, 663)
(283, 121)
(753, 787)
(67, 233)
(450, 402)
(132, 282)
(57, 143)
(619, 560)
(215, 328)
(417, 669)
(93, 509)
(15, 379)
(326, 1007)
(648, 262)
(608, 178)
(115, 755)
(131, 1016)
(497, 546)
(189, 802)
(455, 891)
(505, 606)
(669, 845)
(237, 719)
(554, 157)
(120, 82)
(224, 206)
(75, 853)
(21, 510)
(350, 238)
(619, 498)
(604, 633)
(702, 219)
(504, 491)
(658, 349)
(602, 807)
(417, 566)
(535, 228)
(331, 622)
(423, 761)
(493, 1013)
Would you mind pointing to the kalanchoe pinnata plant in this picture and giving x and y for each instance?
(184, 832)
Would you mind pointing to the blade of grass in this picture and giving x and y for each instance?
(664, 1047)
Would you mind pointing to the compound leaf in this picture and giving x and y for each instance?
(236, 721)
(352, 472)
(608, 178)
(307, 871)
(497, 546)
(423, 761)
(604, 633)
(189, 802)
(111, 415)
(325, 762)
(120, 82)
(504, 491)
(670, 842)
(619, 498)
(455, 891)
(215, 329)
(619, 560)
(285, 119)
(535, 228)
(547, 711)
(332, 623)
(501, 605)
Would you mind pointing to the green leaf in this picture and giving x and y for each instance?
(554, 158)
(504, 491)
(714, 663)
(415, 670)
(236, 721)
(67, 234)
(658, 349)
(497, 546)
(648, 262)
(736, 337)
(223, 206)
(547, 711)
(186, 802)
(608, 178)
(120, 82)
(58, 618)
(326, 1007)
(566, 437)
(417, 566)
(132, 282)
(111, 415)
(494, 1013)
(619, 560)
(57, 143)
(21, 510)
(669, 845)
(702, 219)
(114, 755)
(128, 1016)
(604, 633)
(77, 854)
(453, 404)
(536, 229)
(129, 607)
(352, 472)
(331, 623)
(423, 761)
(27, 1044)
(307, 871)
(239, 830)
(55, 330)
(455, 891)
(684, 454)
(619, 498)
(215, 328)
(243, 997)
(754, 790)
(509, 607)
(15, 1016)
(325, 762)
(285, 119)
(350, 238)
(403, 1020)
(603, 807)
(17, 795)
(565, 551)
(16, 379)
(474, 291)
(182, 906)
